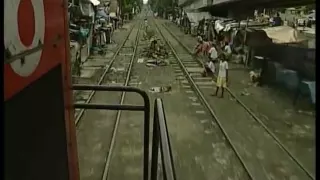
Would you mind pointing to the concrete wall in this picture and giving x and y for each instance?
(113, 6)
(215, 2)
(181, 2)
(195, 4)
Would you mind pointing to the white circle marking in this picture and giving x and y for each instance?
(12, 40)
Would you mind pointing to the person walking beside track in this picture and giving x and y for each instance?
(206, 48)
(198, 49)
(222, 78)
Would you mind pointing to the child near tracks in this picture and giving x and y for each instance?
(222, 78)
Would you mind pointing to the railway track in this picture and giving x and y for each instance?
(94, 137)
(106, 69)
(308, 169)
(97, 131)
(253, 155)
(103, 138)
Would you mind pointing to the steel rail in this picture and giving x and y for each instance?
(166, 152)
(252, 114)
(102, 77)
(116, 125)
(205, 102)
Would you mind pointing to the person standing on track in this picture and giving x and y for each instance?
(198, 49)
(206, 48)
(222, 78)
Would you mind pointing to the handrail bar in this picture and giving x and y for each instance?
(161, 136)
(145, 108)
(126, 107)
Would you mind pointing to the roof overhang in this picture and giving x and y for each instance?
(95, 2)
(222, 8)
(187, 3)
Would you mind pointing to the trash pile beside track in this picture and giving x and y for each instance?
(155, 51)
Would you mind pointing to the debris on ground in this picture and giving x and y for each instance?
(289, 112)
(306, 112)
(160, 89)
(113, 70)
(245, 93)
(238, 59)
(289, 124)
(255, 77)
(156, 50)
(140, 60)
(98, 50)
(307, 127)
(156, 62)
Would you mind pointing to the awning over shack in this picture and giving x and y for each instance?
(311, 16)
(284, 35)
(86, 7)
(95, 2)
(195, 17)
(232, 24)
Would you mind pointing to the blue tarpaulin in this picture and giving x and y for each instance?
(289, 78)
(102, 13)
(84, 32)
(277, 67)
(309, 88)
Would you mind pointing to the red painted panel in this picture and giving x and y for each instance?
(51, 56)
(68, 99)
(49, 24)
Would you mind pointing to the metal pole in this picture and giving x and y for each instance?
(155, 144)
(245, 39)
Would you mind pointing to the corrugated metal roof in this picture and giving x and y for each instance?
(197, 4)
(221, 6)
(216, 2)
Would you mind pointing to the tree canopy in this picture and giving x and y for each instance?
(127, 5)
(162, 5)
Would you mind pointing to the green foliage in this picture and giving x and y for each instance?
(127, 5)
(162, 5)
